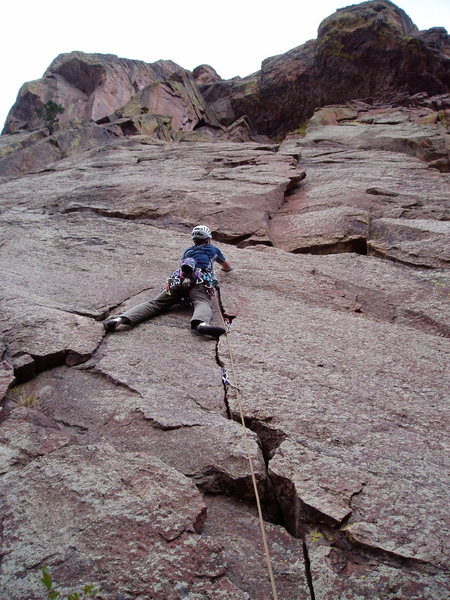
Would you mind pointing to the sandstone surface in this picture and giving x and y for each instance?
(88, 86)
(340, 359)
(403, 217)
(369, 51)
(123, 459)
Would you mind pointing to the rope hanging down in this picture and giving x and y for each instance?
(227, 382)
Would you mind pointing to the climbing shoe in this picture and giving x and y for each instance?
(112, 324)
(206, 329)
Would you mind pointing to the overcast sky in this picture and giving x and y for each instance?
(233, 36)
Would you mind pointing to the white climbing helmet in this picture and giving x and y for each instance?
(201, 232)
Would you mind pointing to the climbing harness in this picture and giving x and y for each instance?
(181, 281)
(226, 320)
(189, 274)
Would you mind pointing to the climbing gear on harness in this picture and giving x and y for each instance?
(188, 275)
(201, 232)
(199, 254)
(183, 278)
(206, 329)
(210, 280)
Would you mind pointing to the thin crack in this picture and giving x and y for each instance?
(224, 384)
(112, 307)
(113, 380)
(308, 574)
(200, 405)
(355, 494)
(98, 316)
(80, 428)
(157, 425)
(412, 265)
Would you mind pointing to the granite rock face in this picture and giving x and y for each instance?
(124, 462)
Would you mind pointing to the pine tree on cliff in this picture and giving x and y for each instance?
(49, 112)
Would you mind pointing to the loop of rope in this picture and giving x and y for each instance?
(225, 380)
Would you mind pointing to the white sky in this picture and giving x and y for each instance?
(232, 36)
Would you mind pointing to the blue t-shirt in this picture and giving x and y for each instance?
(204, 255)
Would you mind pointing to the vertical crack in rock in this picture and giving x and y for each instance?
(269, 501)
(270, 438)
(308, 573)
(224, 383)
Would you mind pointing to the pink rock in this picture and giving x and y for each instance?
(205, 74)
(6, 377)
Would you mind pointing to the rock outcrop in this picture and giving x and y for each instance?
(124, 461)
(88, 86)
(369, 51)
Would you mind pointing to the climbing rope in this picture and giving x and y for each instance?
(226, 382)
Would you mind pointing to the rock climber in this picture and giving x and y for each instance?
(194, 281)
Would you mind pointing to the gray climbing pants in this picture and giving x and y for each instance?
(198, 295)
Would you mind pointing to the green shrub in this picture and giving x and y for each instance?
(49, 112)
(53, 593)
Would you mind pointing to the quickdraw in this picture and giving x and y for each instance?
(226, 380)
